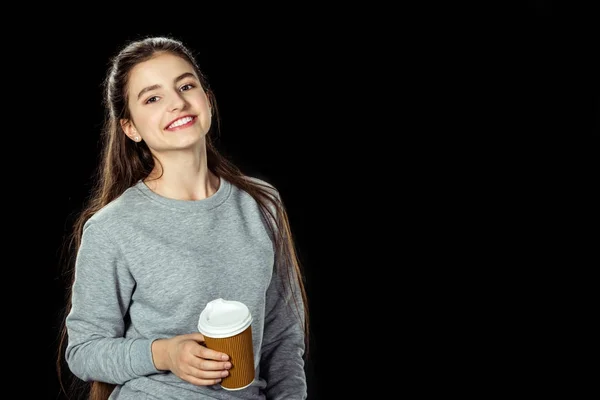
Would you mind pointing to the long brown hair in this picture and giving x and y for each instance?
(123, 163)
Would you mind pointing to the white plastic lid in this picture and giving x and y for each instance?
(223, 318)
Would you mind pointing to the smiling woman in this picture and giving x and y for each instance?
(172, 225)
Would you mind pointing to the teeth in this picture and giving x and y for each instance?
(180, 122)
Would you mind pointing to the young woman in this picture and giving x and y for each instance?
(170, 226)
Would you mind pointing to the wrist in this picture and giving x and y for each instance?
(159, 354)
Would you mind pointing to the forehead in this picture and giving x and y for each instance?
(159, 70)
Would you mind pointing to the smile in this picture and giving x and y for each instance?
(181, 122)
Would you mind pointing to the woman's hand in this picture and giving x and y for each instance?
(186, 357)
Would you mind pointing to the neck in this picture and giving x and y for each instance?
(183, 175)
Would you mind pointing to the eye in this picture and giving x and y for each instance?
(151, 100)
(187, 87)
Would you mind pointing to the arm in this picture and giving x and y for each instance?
(282, 363)
(96, 349)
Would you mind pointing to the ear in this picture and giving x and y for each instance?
(130, 130)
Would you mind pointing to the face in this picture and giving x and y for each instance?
(169, 108)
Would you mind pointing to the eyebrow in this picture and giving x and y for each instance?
(153, 87)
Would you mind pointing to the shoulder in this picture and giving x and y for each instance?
(265, 184)
(120, 209)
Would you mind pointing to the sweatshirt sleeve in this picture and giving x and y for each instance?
(97, 349)
(282, 363)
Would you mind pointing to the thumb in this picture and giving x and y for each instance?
(196, 336)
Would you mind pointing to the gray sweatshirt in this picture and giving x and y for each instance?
(146, 268)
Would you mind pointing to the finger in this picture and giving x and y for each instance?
(208, 375)
(209, 365)
(210, 354)
(200, 381)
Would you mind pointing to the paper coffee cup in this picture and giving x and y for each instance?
(226, 327)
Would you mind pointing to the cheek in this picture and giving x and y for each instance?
(206, 117)
(148, 120)
(154, 121)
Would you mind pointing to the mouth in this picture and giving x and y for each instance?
(181, 123)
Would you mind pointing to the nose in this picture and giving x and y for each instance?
(177, 102)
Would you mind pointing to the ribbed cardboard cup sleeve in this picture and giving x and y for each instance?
(241, 356)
